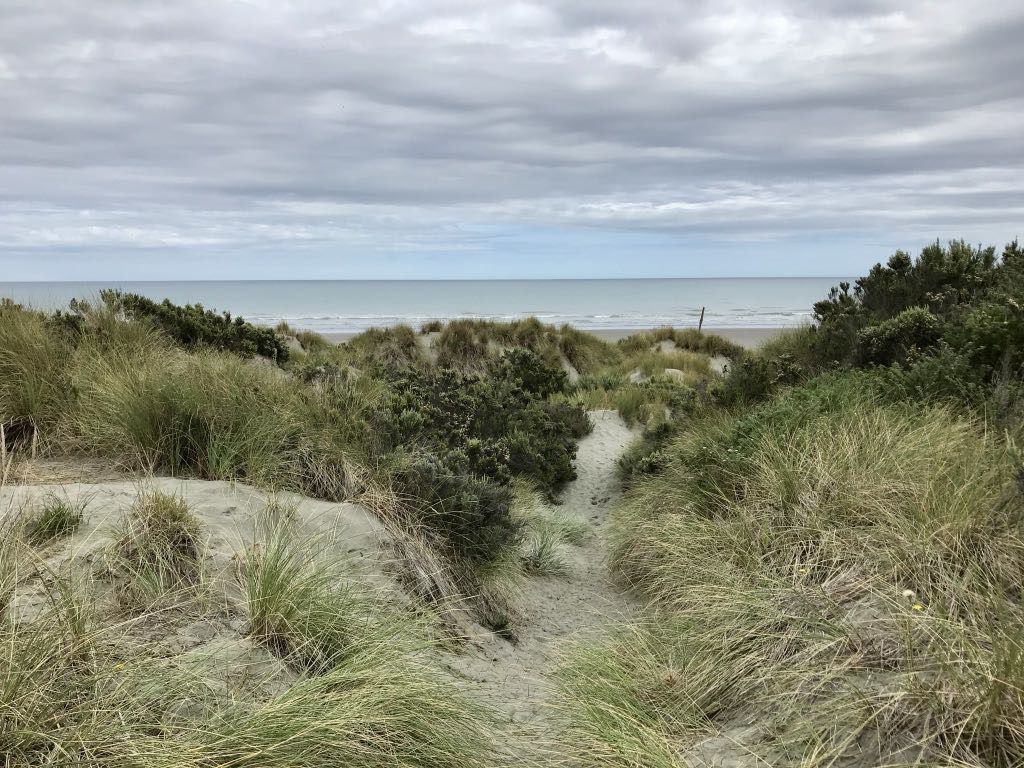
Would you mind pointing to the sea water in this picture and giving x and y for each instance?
(354, 305)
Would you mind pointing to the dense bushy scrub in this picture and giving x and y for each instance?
(194, 326)
(470, 514)
(947, 325)
(498, 426)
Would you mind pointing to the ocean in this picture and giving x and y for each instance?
(346, 306)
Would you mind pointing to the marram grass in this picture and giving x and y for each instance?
(834, 580)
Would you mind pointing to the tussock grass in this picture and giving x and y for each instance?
(462, 344)
(55, 517)
(158, 547)
(840, 571)
(312, 341)
(301, 604)
(389, 348)
(693, 365)
(79, 686)
(684, 338)
(216, 416)
(33, 374)
(546, 532)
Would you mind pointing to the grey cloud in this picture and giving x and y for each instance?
(144, 124)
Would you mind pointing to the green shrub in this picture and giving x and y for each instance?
(431, 326)
(488, 426)
(529, 371)
(754, 377)
(468, 514)
(193, 326)
(892, 340)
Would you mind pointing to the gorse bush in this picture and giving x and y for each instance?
(470, 515)
(193, 326)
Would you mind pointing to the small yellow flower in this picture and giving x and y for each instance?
(917, 607)
(803, 570)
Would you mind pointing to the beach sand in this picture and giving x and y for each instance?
(745, 337)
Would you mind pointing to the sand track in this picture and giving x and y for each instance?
(514, 678)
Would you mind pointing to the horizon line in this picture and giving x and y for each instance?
(428, 279)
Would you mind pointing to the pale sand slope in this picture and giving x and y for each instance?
(213, 632)
(513, 678)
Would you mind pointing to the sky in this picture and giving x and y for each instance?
(206, 139)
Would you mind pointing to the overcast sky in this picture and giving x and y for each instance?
(178, 139)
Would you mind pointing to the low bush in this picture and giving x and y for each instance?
(470, 515)
(893, 340)
(431, 326)
(489, 426)
(530, 372)
(193, 326)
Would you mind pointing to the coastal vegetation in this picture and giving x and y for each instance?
(819, 545)
(831, 541)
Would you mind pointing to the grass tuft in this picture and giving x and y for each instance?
(57, 516)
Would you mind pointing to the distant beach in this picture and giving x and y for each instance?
(745, 337)
(745, 309)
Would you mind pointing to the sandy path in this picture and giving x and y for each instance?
(512, 678)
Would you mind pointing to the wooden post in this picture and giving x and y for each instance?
(700, 325)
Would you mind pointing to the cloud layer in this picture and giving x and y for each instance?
(197, 138)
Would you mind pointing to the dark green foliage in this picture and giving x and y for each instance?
(470, 514)
(892, 340)
(194, 326)
(754, 377)
(949, 325)
(532, 373)
(497, 428)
